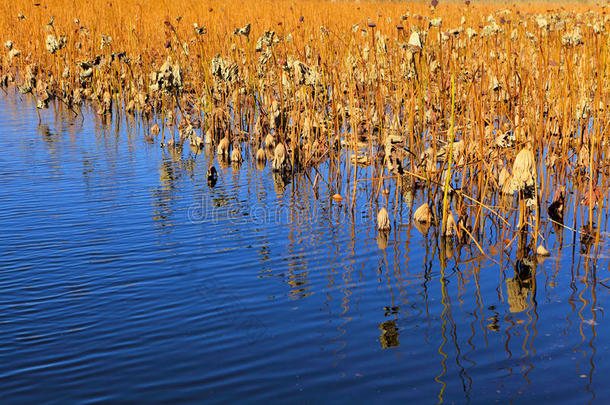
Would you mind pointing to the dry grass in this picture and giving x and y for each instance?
(347, 85)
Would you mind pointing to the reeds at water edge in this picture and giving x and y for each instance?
(470, 104)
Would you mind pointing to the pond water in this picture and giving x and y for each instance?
(124, 276)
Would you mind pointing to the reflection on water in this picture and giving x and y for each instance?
(125, 274)
(519, 288)
(389, 334)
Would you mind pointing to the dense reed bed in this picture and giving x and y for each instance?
(494, 112)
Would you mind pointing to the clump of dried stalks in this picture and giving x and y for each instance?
(441, 97)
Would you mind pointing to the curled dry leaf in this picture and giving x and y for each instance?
(542, 251)
(261, 156)
(383, 220)
(423, 214)
(524, 169)
(451, 227)
(236, 154)
(223, 147)
(279, 158)
(415, 41)
(270, 141)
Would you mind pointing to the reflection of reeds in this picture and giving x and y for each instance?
(517, 295)
(389, 334)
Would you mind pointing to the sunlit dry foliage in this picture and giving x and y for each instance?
(373, 91)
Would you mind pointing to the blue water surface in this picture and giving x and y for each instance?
(125, 277)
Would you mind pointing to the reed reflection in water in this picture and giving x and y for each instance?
(126, 276)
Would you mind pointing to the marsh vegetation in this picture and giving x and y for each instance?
(405, 198)
(487, 113)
